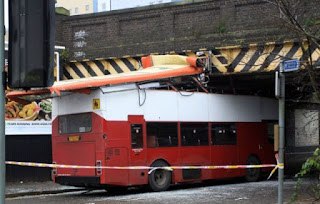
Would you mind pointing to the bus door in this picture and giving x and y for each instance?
(270, 137)
(138, 150)
(224, 149)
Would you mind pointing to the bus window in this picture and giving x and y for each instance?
(76, 123)
(136, 136)
(194, 134)
(224, 134)
(270, 127)
(162, 134)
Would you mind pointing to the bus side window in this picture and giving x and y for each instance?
(270, 127)
(160, 134)
(136, 136)
(194, 134)
(224, 134)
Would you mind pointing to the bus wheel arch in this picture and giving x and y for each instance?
(159, 179)
(253, 174)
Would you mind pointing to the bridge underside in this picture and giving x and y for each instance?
(246, 69)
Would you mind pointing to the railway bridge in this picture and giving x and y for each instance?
(245, 41)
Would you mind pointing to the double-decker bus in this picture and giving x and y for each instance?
(126, 125)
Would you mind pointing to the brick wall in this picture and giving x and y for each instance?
(59, 29)
(178, 26)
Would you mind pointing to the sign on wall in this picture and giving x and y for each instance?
(291, 65)
(28, 118)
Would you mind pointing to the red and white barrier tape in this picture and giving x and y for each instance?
(151, 169)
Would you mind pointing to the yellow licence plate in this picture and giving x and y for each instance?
(74, 138)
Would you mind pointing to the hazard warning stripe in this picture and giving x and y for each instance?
(115, 66)
(258, 58)
(315, 53)
(294, 49)
(315, 56)
(236, 61)
(246, 59)
(66, 73)
(90, 70)
(101, 67)
(76, 70)
(128, 63)
(263, 57)
(253, 60)
(271, 56)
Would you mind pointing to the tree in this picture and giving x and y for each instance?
(297, 16)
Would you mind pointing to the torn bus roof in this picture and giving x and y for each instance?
(155, 67)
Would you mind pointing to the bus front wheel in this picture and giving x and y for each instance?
(253, 174)
(159, 179)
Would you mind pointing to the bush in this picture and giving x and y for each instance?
(310, 171)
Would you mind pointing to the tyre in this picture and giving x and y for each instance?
(253, 174)
(160, 179)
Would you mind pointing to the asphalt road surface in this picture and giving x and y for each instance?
(227, 191)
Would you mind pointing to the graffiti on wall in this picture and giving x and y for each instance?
(306, 127)
(79, 38)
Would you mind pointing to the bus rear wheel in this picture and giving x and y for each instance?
(159, 179)
(253, 174)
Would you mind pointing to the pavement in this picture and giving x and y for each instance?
(20, 189)
(16, 189)
(220, 191)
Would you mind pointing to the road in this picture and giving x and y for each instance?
(232, 191)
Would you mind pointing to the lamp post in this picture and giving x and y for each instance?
(281, 132)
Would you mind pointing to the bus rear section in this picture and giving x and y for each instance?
(88, 140)
(76, 141)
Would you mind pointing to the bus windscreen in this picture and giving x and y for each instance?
(77, 123)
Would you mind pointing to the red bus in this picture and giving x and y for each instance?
(123, 126)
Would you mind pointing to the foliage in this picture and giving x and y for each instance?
(311, 170)
(301, 17)
(64, 55)
(221, 28)
(309, 22)
(197, 34)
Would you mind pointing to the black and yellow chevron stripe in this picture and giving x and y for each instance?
(263, 57)
(99, 67)
(259, 57)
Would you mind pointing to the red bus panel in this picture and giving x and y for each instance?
(74, 153)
